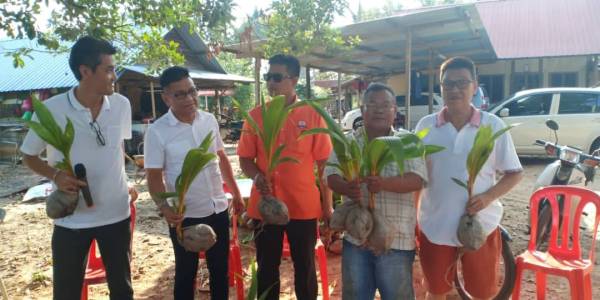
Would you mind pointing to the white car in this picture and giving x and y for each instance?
(576, 110)
(418, 109)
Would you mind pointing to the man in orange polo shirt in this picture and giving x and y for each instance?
(293, 183)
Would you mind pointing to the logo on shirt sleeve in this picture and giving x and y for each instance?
(302, 124)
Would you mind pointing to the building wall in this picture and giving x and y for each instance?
(579, 65)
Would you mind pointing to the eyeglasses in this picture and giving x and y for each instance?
(99, 136)
(460, 84)
(375, 107)
(193, 92)
(277, 77)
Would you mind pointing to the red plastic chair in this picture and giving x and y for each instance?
(560, 259)
(94, 272)
(321, 255)
(236, 275)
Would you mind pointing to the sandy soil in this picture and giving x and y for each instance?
(25, 254)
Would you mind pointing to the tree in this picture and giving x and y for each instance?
(438, 2)
(389, 8)
(135, 25)
(300, 26)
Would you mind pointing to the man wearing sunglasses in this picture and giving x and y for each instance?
(166, 145)
(102, 120)
(444, 202)
(293, 183)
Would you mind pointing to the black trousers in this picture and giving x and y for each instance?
(302, 237)
(70, 248)
(217, 259)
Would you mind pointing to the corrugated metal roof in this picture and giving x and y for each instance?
(542, 28)
(46, 70)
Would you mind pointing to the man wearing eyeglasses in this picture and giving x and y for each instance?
(102, 120)
(166, 144)
(444, 202)
(293, 183)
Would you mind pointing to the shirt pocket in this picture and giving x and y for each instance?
(175, 152)
(294, 146)
(112, 136)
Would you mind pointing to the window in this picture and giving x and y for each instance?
(524, 81)
(579, 103)
(563, 79)
(494, 85)
(532, 105)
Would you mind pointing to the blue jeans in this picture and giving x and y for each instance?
(363, 272)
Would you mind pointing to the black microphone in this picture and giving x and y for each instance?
(85, 190)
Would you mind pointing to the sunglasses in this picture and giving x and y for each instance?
(277, 77)
(99, 136)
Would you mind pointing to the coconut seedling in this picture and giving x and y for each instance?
(274, 114)
(350, 216)
(199, 237)
(470, 233)
(59, 204)
(378, 153)
(359, 221)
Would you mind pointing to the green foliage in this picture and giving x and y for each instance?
(299, 26)
(389, 8)
(483, 145)
(135, 25)
(439, 2)
(274, 113)
(50, 132)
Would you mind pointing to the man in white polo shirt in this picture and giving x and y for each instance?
(102, 120)
(166, 144)
(444, 202)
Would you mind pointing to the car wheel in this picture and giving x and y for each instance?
(357, 123)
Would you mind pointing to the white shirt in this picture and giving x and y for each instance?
(166, 144)
(444, 201)
(105, 165)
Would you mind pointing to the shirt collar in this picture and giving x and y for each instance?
(77, 105)
(475, 119)
(173, 121)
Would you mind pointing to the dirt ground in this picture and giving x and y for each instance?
(26, 265)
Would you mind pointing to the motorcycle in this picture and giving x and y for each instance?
(230, 130)
(571, 167)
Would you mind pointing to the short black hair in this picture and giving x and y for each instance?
(173, 74)
(458, 62)
(378, 87)
(290, 62)
(87, 51)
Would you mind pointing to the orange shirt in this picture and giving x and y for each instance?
(293, 183)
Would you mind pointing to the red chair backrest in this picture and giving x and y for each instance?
(551, 193)
(95, 259)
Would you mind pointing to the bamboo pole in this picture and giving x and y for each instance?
(153, 100)
(407, 70)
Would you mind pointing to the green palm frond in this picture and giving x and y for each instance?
(50, 132)
(483, 145)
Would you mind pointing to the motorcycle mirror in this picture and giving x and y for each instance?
(552, 124)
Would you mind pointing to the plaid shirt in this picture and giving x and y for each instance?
(398, 208)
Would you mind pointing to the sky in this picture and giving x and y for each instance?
(246, 7)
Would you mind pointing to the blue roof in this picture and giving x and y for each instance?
(45, 70)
